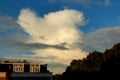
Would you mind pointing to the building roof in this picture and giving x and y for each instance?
(19, 62)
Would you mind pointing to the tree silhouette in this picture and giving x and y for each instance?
(96, 66)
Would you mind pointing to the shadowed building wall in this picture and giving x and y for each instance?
(25, 71)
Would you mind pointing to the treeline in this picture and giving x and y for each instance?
(96, 66)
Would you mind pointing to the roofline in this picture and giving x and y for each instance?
(31, 74)
(20, 63)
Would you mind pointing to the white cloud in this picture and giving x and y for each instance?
(54, 38)
(57, 35)
(52, 25)
(52, 30)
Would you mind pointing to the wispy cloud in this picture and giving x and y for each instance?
(9, 30)
(85, 3)
(80, 2)
(102, 38)
(107, 2)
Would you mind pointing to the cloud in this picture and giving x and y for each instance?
(8, 23)
(57, 34)
(57, 67)
(43, 46)
(54, 39)
(99, 40)
(102, 38)
(54, 34)
(107, 2)
(9, 30)
(84, 3)
(52, 25)
(81, 2)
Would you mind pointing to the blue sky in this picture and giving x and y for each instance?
(101, 14)
(57, 31)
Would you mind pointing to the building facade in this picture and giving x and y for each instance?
(3, 76)
(24, 71)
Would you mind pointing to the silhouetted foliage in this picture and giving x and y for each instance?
(110, 67)
(96, 66)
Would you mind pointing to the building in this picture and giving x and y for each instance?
(3, 76)
(24, 71)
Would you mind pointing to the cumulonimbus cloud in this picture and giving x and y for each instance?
(53, 28)
(57, 34)
(54, 34)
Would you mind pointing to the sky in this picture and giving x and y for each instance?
(55, 32)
